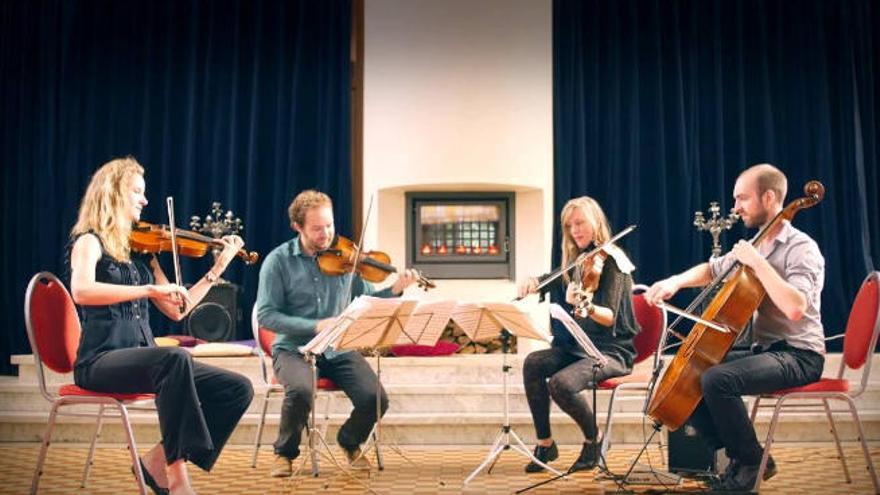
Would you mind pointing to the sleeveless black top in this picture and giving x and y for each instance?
(115, 326)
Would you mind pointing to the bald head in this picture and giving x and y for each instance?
(765, 177)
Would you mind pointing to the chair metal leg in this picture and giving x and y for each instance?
(836, 440)
(90, 459)
(871, 471)
(44, 448)
(769, 442)
(754, 413)
(132, 448)
(606, 436)
(259, 435)
(325, 424)
(325, 420)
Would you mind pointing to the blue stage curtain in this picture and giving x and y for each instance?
(242, 102)
(658, 105)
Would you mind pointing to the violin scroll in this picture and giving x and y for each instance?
(815, 191)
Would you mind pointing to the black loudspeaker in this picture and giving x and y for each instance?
(689, 453)
(218, 316)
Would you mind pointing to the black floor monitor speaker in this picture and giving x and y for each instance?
(217, 317)
(689, 453)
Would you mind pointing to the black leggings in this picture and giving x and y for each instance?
(561, 375)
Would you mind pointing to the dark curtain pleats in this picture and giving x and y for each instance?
(658, 105)
(242, 102)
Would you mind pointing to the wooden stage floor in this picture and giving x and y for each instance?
(802, 470)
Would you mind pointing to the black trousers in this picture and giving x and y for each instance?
(562, 375)
(350, 372)
(198, 405)
(721, 415)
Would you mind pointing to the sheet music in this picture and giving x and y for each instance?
(577, 332)
(484, 321)
(376, 324)
(372, 322)
(474, 322)
(321, 341)
(425, 325)
(329, 336)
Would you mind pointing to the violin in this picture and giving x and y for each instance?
(151, 238)
(581, 260)
(373, 266)
(588, 273)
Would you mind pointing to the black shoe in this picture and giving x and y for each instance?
(743, 479)
(729, 472)
(543, 454)
(770, 470)
(149, 480)
(589, 457)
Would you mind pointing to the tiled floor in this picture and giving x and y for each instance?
(802, 471)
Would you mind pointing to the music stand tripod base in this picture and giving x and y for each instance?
(316, 438)
(376, 434)
(645, 475)
(503, 440)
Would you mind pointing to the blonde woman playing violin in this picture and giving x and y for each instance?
(564, 371)
(117, 352)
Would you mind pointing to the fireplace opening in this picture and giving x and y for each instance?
(460, 235)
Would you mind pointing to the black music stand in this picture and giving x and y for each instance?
(311, 351)
(590, 349)
(375, 323)
(484, 322)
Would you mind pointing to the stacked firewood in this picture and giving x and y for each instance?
(453, 333)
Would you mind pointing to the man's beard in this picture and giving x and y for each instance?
(311, 245)
(758, 220)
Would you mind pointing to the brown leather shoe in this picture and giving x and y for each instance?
(282, 467)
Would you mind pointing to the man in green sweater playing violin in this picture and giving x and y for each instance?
(297, 301)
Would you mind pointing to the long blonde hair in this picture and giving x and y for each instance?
(105, 205)
(598, 222)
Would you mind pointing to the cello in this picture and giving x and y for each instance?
(679, 391)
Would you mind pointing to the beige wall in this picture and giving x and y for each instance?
(458, 96)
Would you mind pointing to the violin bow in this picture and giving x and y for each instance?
(336, 330)
(176, 259)
(581, 258)
(357, 253)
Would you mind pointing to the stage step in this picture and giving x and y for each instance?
(436, 400)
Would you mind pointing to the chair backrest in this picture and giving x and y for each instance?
(651, 320)
(52, 324)
(862, 327)
(264, 339)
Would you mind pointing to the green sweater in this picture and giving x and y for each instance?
(293, 295)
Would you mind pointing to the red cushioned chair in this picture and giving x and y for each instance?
(326, 388)
(635, 386)
(860, 338)
(54, 330)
